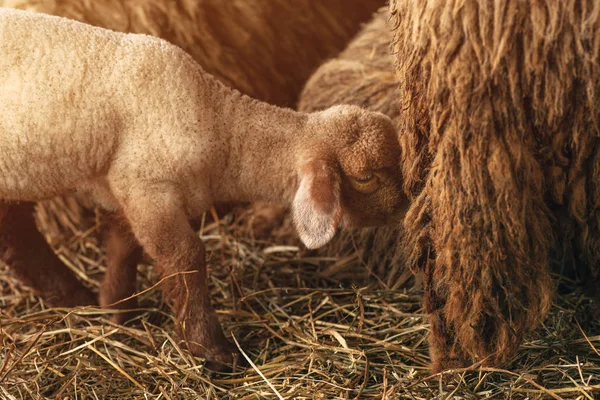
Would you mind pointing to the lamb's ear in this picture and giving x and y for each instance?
(316, 208)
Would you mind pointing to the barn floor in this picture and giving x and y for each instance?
(310, 331)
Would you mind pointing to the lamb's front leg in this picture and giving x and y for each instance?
(160, 224)
(123, 254)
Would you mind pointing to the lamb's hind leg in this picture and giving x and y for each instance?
(162, 228)
(26, 252)
(123, 254)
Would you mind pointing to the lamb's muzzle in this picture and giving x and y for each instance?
(156, 138)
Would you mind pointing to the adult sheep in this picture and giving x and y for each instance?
(264, 48)
(499, 118)
(499, 158)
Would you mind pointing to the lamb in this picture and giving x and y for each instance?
(289, 40)
(158, 139)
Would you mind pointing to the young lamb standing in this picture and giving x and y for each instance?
(289, 39)
(138, 125)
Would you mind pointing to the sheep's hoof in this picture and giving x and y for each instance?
(211, 344)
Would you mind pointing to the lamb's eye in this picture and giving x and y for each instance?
(365, 184)
(364, 178)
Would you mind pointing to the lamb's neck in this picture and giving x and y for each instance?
(264, 143)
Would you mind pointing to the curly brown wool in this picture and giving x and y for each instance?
(500, 156)
(499, 121)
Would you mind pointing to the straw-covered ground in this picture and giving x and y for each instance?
(314, 328)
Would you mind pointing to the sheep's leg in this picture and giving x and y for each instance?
(441, 339)
(26, 252)
(162, 228)
(481, 307)
(491, 235)
(123, 254)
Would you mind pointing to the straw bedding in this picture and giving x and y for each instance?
(314, 325)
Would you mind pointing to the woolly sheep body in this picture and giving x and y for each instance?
(161, 140)
(500, 146)
(542, 107)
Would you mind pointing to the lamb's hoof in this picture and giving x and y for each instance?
(225, 360)
(221, 358)
(220, 354)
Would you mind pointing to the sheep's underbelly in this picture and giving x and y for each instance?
(36, 166)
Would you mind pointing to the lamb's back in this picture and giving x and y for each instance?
(69, 94)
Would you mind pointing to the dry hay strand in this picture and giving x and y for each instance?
(309, 335)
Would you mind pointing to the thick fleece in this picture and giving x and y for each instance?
(138, 125)
(514, 149)
(501, 111)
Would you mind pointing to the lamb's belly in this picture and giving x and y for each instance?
(33, 180)
(53, 137)
(44, 160)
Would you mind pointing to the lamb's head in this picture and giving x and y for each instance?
(349, 171)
